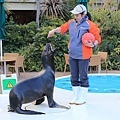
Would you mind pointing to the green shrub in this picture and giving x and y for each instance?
(109, 23)
(29, 41)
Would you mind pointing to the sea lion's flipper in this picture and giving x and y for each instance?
(10, 109)
(53, 104)
(39, 101)
(28, 112)
(63, 107)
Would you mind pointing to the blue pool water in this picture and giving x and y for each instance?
(98, 83)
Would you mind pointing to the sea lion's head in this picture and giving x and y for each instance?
(48, 49)
(48, 56)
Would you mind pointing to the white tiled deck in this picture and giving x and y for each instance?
(99, 106)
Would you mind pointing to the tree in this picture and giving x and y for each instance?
(54, 8)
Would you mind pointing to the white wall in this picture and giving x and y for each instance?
(21, 4)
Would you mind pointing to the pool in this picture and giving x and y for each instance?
(99, 83)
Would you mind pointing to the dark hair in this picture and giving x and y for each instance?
(89, 16)
(82, 13)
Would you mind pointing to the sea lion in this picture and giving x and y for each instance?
(34, 89)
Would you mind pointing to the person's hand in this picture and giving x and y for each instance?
(50, 34)
(88, 43)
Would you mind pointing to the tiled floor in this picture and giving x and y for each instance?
(100, 106)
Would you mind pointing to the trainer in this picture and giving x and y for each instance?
(79, 52)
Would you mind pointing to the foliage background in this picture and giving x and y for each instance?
(29, 41)
(109, 23)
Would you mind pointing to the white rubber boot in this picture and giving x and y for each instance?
(82, 96)
(76, 92)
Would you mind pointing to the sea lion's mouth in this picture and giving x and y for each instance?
(48, 49)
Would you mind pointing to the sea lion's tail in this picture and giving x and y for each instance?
(28, 112)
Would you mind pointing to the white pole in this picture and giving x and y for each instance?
(38, 12)
(0, 49)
